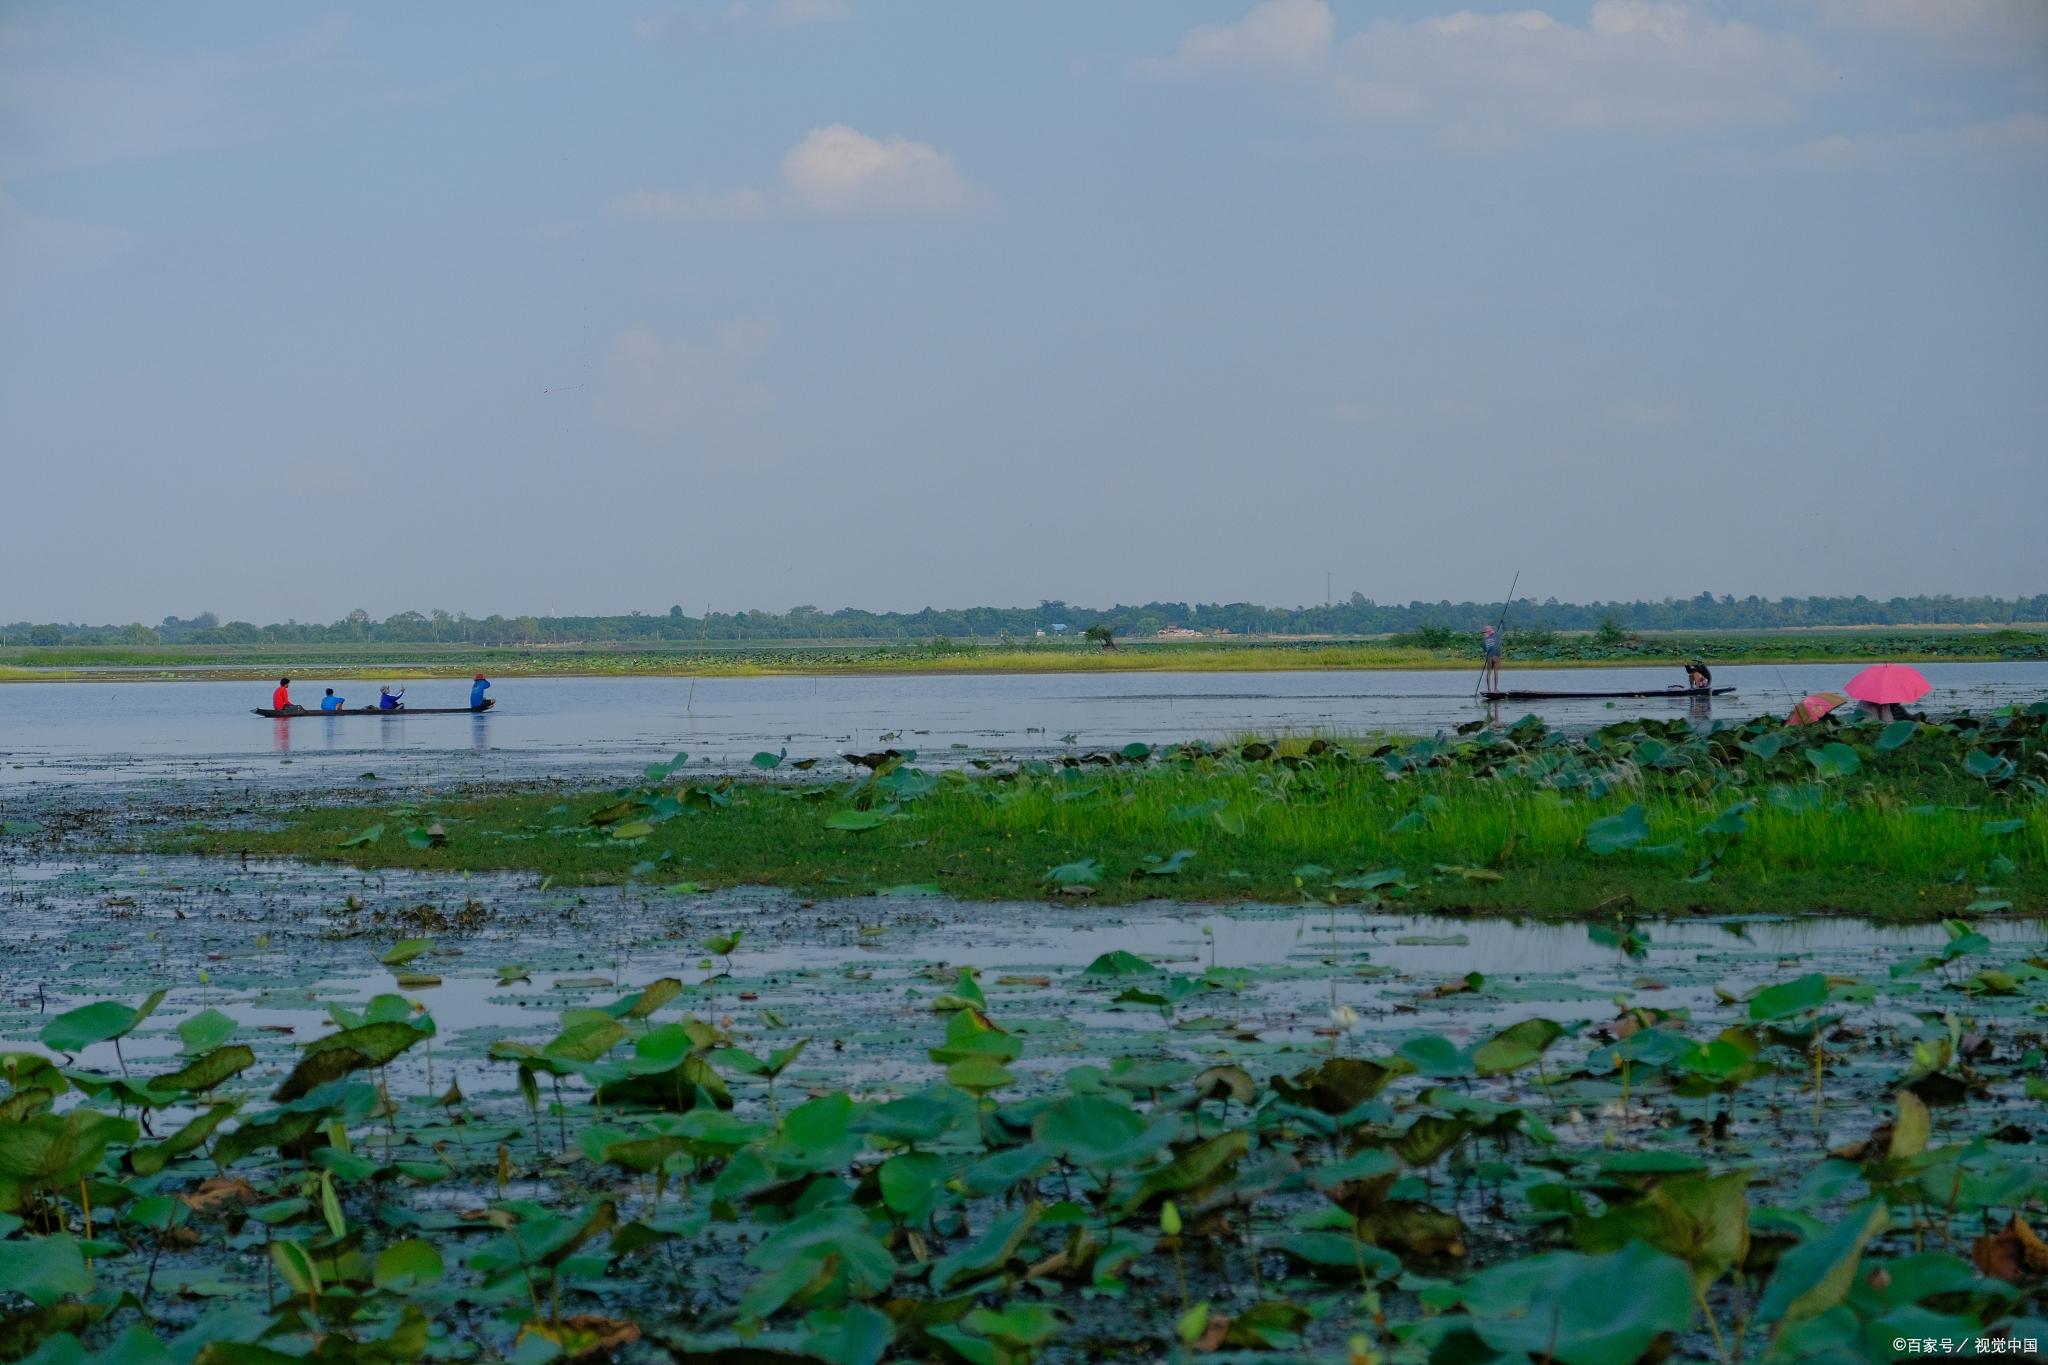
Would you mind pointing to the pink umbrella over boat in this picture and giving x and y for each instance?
(1814, 707)
(1888, 685)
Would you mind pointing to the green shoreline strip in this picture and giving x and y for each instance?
(1913, 820)
(145, 663)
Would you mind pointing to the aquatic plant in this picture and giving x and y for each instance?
(1924, 818)
(1650, 1182)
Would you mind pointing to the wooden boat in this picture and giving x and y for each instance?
(1603, 696)
(302, 712)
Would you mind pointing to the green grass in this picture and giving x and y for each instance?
(1907, 837)
(746, 658)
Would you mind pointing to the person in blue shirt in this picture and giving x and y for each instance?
(476, 692)
(330, 702)
(387, 700)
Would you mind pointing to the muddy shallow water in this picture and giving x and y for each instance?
(273, 945)
(289, 952)
(130, 735)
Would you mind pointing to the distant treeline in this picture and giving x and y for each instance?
(1360, 615)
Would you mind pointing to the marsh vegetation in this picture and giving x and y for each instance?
(523, 1077)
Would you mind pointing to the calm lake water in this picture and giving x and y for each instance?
(117, 734)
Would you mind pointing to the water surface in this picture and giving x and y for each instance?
(114, 734)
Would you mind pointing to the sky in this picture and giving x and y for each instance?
(755, 303)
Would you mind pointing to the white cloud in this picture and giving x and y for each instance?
(841, 170)
(786, 13)
(2020, 140)
(652, 382)
(1634, 65)
(746, 336)
(1276, 35)
(322, 41)
(662, 28)
(1487, 79)
(656, 385)
(33, 246)
(834, 172)
(742, 16)
(691, 206)
(65, 117)
(58, 115)
(2020, 22)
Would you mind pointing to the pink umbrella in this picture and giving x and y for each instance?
(1888, 685)
(1814, 707)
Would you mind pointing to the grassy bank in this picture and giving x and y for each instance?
(1910, 820)
(381, 661)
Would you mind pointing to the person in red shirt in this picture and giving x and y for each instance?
(281, 699)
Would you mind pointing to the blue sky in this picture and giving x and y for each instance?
(576, 308)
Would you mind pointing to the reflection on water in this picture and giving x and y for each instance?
(1698, 710)
(332, 734)
(106, 733)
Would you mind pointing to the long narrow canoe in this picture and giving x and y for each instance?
(301, 713)
(1596, 696)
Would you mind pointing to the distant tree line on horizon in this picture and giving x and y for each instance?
(1359, 615)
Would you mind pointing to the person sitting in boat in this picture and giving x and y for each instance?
(476, 692)
(281, 698)
(330, 702)
(387, 700)
(1697, 677)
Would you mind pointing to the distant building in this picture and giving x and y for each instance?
(1179, 633)
(1059, 628)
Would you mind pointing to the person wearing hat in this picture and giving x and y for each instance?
(1489, 640)
(476, 692)
(387, 700)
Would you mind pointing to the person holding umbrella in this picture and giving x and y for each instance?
(1814, 707)
(1883, 687)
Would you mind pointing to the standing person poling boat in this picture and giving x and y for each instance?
(476, 692)
(1489, 643)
